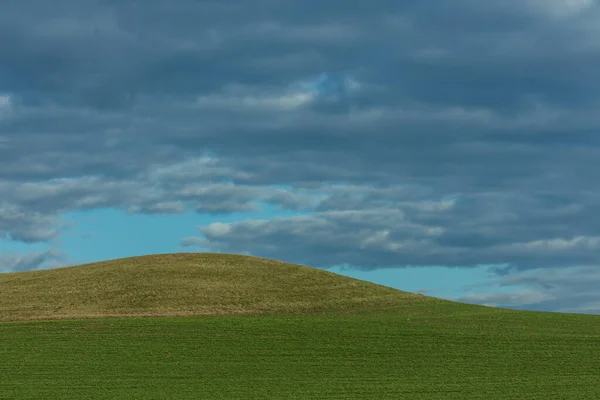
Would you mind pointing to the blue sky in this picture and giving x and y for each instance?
(443, 148)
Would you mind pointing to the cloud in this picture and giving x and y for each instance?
(506, 299)
(5, 105)
(27, 227)
(405, 134)
(562, 8)
(573, 289)
(403, 226)
(243, 100)
(17, 262)
(31, 210)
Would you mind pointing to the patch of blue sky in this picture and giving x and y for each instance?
(105, 234)
(9, 246)
(438, 281)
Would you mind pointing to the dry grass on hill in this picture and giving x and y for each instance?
(186, 284)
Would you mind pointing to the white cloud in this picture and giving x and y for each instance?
(16, 262)
(516, 298)
(560, 243)
(218, 229)
(5, 101)
(6, 105)
(238, 99)
(585, 308)
(562, 8)
(560, 289)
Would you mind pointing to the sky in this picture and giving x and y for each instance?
(449, 148)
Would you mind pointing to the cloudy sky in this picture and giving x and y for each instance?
(444, 147)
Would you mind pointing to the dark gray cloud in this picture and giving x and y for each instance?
(450, 134)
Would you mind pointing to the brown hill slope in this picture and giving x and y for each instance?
(186, 284)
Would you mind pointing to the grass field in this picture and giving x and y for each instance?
(377, 347)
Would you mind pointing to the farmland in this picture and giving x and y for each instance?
(283, 337)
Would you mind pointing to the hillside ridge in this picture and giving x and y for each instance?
(186, 284)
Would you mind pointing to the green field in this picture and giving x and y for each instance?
(362, 341)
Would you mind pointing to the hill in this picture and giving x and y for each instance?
(272, 330)
(186, 284)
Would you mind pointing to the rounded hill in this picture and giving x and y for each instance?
(186, 284)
